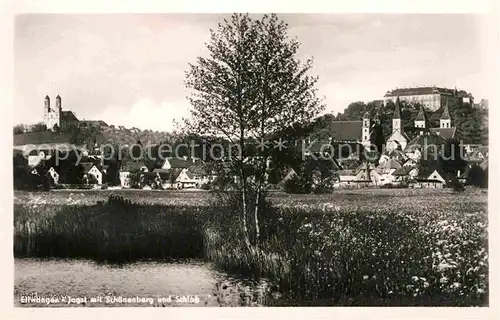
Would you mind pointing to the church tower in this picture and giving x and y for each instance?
(420, 120)
(445, 120)
(365, 134)
(396, 118)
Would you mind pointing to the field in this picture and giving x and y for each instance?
(360, 198)
(352, 247)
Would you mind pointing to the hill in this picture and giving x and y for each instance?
(46, 137)
(90, 132)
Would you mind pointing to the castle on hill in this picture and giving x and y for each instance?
(56, 118)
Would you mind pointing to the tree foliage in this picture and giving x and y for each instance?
(251, 88)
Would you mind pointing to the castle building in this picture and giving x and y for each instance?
(56, 118)
(431, 97)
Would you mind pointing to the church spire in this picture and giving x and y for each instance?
(396, 117)
(397, 110)
(445, 120)
(421, 119)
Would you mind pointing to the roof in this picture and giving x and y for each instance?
(418, 91)
(484, 165)
(425, 140)
(346, 130)
(87, 166)
(389, 164)
(483, 150)
(446, 113)
(421, 114)
(363, 166)
(397, 110)
(68, 116)
(132, 165)
(166, 174)
(197, 169)
(346, 172)
(179, 163)
(447, 133)
(402, 171)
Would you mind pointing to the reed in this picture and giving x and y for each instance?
(406, 254)
(107, 232)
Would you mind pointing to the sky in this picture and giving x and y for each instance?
(129, 69)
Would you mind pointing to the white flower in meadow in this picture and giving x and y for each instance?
(365, 277)
(455, 285)
(426, 284)
(414, 278)
(480, 290)
(443, 280)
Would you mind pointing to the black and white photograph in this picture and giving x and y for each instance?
(250, 160)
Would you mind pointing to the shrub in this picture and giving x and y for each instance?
(297, 185)
(205, 186)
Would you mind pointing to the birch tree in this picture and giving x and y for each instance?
(250, 89)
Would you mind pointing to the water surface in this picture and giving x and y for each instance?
(143, 284)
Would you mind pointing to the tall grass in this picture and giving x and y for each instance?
(113, 232)
(405, 255)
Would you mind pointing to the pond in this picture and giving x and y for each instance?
(84, 283)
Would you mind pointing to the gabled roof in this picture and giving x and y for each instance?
(425, 140)
(403, 171)
(346, 172)
(438, 170)
(87, 166)
(447, 133)
(483, 150)
(484, 165)
(179, 163)
(68, 116)
(346, 130)
(132, 165)
(166, 174)
(389, 164)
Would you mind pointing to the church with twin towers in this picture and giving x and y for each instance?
(55, 118)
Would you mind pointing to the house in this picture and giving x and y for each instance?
(176, 163)
(35, 157)
(345, 179)
(90, 169)
(383, 173)
(425, 144)
(405, 174)
(363, 172)
(289, 175)
(410, 163)
(54, 174)
(434, 179)
(128, 167)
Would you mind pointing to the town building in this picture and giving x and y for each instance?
(431, 97)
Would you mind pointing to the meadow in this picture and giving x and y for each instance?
(351, 247)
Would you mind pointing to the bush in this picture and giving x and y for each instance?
(205, 186)
(297, 185)
(456, 185)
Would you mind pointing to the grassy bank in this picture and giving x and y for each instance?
(345, 251)
(107, 232)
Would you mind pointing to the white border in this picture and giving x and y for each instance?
(490, 48)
